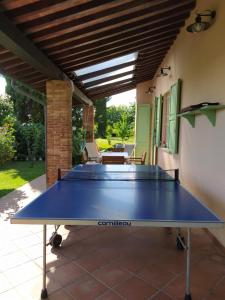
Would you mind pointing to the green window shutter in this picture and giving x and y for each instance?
(173, 126)
(158, 101)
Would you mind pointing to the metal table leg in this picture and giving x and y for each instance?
(188, 265)
(44, 293)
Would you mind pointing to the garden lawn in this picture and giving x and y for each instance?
(13, 174)
(104, 145)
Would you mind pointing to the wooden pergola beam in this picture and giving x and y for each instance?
(106, 79)
(95, 59)
(140, 40)
(14, 40)
(120, 39)
(153, 22)
(118, 21)
(115, 91)
(106, 70)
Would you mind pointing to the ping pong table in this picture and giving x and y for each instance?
(120, 196)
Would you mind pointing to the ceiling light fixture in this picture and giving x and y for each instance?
(150, 90)
(200, 25)
(162, 72)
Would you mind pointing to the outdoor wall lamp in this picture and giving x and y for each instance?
(162, 72)
(199, 25)
(150, 90)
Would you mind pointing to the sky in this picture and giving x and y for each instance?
(2, 85)
(125, 98)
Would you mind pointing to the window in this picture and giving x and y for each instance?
(166, 121)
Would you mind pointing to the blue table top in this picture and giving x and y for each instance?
(118, 203)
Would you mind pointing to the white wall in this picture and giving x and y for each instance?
(199, 61)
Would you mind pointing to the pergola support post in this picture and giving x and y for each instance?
(58, 127)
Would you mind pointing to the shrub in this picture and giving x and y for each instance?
(7, 142)
(79, 135)
(30, 140)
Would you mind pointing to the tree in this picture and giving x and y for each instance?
(116, 113)
(122, 128)
(25, 108)
(6, 109)
(7, 141)
(101, 116)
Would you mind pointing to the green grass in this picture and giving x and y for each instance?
(13, 174)
(103, 143)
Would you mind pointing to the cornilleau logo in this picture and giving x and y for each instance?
(114, 223)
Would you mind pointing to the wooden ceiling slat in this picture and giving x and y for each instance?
(116, 23)
(26, 69)
(100, 37)
(74, 67)
(80, 33)
(105, 71)
(9, 5)
(41, 9)
(33, 77)
(96, 90)
(60, 14)
(121, 39)
(17, 63)
(80, 19)
(118, 45)
(151, 56)
(106, 79)
(92, 60)
(142, 63)
(115, 91)
(103, 51)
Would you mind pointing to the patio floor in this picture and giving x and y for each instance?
(106, 263)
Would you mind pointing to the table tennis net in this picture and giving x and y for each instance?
(160, 175)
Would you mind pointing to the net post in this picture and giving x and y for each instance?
(177, 175)
(59, 174)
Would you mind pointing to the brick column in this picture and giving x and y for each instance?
(58, 128)
(88, 122)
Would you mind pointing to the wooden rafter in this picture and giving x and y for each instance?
(105, 71)
(71, 35)
(106, 79)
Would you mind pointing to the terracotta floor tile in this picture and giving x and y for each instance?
(12, 260)
(23, 273)
(7, 247)
(36, 251)
(218, 292)
(76, 251)
(134, 288)
(31, 290)
(155, 275)
(110, 295)
(66, 274)
(53, 260)
(96, 260)
(112, 275)
(161, 296)
(87, 288)
(59, 295)
(10, 295)
(204, 276)
(27, 241)
(131, 263)
(5, 285)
